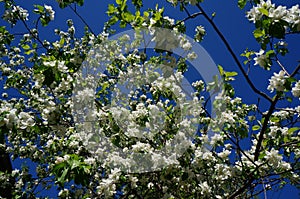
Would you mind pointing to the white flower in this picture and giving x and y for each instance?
(63, 193)
(66, 157)
(296, 89)
(254, 15)
(278, 13)
(282, 43)
(50, 11)
(261, 59)
(14, 14)
(11, 118)
(89, 161)
(172, 22)
(23, 14)
(150, 185)
(224, 154)
(277, 81)
(4, 95)
(59, 160)
(293, 17)
(15, 172)
(200, 32)
(192, 56)
(62, 67)
(205, 188)
(25, 120)
(215, 139)
(273, 157)
(186, 45)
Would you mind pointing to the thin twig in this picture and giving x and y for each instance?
(187, 18)
(33, 35)
(82, 19)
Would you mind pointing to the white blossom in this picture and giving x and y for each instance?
(254, 14)
(293, 17)
(261, 59)
(273, 157)
(277, 81)
(296, 89)
(50, 11)
(192, 56)
(200, 32)
(205, 188)
(25, 120)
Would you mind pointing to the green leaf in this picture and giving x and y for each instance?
(221, 70)
(75, 164)
(61, 179)
(49, 77)
(61, 42)
(146, 14)
(231, 74)
(270, 53)
(111, 10)
(258, 33)
(123, 24)
(28, 52)
(242, 3)
(113, 20)
(119, 2)
(293, 129)
(137, 3)
(124, 5)
(80, 2)
(26, 47)
(275, 119)
(128, 17)
(277, 30)
(264, 11)
(59, 166)
(289, 99)
(158, 15)
(255, 127)
(39, 10)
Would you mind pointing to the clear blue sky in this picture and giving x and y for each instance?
(230, 20)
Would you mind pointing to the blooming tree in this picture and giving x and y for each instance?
(106, 115)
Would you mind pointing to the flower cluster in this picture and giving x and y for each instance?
(50, 12)
(46, 13)
(296, 89)
(123, 123)
(15, 13)
(277, 81)
(275, 13)
(200, 32)
(261, 59)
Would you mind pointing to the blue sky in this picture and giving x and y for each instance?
(230, 20)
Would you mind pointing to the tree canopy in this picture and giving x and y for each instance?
(140, 109)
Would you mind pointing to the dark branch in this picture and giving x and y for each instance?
(187, 18)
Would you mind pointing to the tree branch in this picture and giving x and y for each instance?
(187, 18)
(233, 55)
